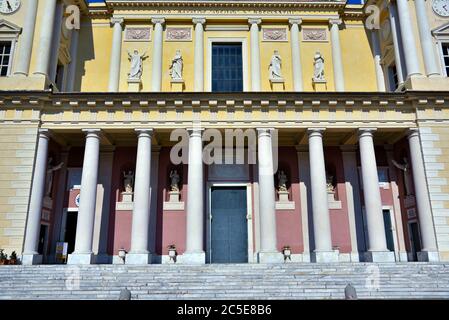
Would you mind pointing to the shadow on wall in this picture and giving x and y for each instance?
(85, 52)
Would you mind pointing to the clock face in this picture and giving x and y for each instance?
(9, 6)
(441, 7)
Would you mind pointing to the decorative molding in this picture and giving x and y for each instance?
(274, 34)
(179, 34)
(138, 34)
(227, 28)
(314, 34)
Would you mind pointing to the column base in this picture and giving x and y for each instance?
(138, 258)
(324, 256)
(380, 256)
(193, 258)
(430, 256)
(80, 258)
(30, 259)
(270, 257)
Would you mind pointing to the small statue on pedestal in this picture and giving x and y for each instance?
(174, 183)
(128, 181)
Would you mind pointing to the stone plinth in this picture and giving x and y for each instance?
(177, 85)
(127, 202)
(134, 85)
(319, 85)
(173, 203)
(277, 84)
(284, 203)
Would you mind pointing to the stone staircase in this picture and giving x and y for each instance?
(231, 281)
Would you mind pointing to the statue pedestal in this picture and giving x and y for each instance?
(332, 203)
(127, 202)
(173, 203)
(177, 85)
(277, 84)
(319, 85)
(284, 203)
(134, 85)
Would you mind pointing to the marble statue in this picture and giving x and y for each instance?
(49, 176)
(407, 175)
(330, 183)
(282, 177)
(128, 181)
(318, 67)
(275, 66)
(177, 65)
(136, 70)
(174, 181)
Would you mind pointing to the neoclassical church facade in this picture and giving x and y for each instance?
(236, 131)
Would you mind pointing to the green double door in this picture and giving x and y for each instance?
(229, 225)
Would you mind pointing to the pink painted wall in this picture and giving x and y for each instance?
(120, 221)
(288, 222)
(339, 218)
(171, 225)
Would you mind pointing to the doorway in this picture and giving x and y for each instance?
(228, 225)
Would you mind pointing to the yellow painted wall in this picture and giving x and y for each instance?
(358, 65)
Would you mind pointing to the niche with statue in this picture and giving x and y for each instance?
(126, 190)
(331, 187)
(174, 203)
(283, 181)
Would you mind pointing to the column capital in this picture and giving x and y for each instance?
(195, 132)
(315, 131)
(349, 148)
(297, 21)
(45, 133)
(335, 22)
(255, 21)
(158, 20)
(412, 132)
(144, 132)
(264, 131)
(115, 20)
(366, 131)
(92, 133)
(199, 20)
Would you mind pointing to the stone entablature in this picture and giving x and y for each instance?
(237, 110)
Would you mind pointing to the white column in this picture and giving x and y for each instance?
(296, 54)
(408, 39)
(116, 54)
(304, 186)
(73, 56)
(255, 54)
(27, 37)
(45, 38)
(321, 221)
(156, 80)
(195, 201)
(377, 244)
(86, 213)
(377, 58)
(199, 54)
(30, 250)
(268, 243)
(139, 253)
(396, 42)
(56, 41)
(339, 77)
(425, 35)
(429, 251)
